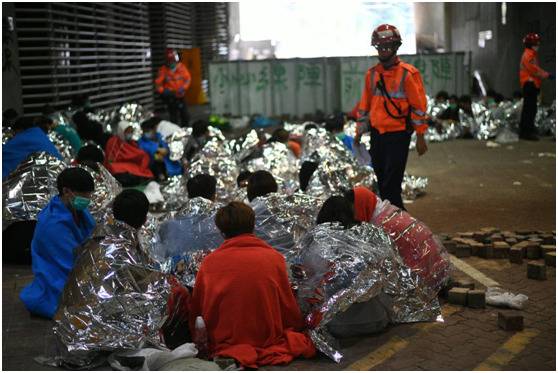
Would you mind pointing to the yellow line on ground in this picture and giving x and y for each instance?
(395, 344)
(513, 346)
(472, 272)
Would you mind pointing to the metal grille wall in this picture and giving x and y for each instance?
(212, 35)
(101, 49)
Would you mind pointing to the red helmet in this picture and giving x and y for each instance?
(532, 39)
(172, 56)
(386, 36)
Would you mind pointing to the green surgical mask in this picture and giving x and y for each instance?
(80, 203)
(453, 106)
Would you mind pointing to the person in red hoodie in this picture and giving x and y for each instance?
(125, 160)
(243, 293)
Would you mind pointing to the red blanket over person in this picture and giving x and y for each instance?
(243, 293)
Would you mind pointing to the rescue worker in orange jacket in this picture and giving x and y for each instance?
(171, 83)
(530, 78)
(392, 106)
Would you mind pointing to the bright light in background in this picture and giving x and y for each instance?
(324, 29)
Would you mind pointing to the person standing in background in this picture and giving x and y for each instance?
(530, 78)
(171, 83)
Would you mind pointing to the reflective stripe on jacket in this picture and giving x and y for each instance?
(173, 80)
(529, 70)
(404, 85)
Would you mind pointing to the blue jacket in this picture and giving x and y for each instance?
(56, 237)
(150, 146)
(346, 140)
(22, 146)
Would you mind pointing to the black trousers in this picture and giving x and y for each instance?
(178, 110)
(389, 152)
(527, 123)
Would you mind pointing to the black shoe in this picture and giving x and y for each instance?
(529, 137)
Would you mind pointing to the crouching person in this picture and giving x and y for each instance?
(242, 291)
(63, 225)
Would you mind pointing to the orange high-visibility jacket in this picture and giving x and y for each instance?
(529, 70)
(173, 80)
(404, 85)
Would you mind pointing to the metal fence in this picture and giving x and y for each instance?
(302, 86)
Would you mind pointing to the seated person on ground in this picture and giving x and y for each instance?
(30, 137)
(441, 97)
(260, 183)
(335, 123)
(452, 112)
(125, 160)
(360, 318)
(282, 135)
(63, 225)
(89, 130)
(203, 186)
(153, 144)
(200, 136)
(64, 129)
(243, 293)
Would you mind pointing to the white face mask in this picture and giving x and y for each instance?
(536, 48)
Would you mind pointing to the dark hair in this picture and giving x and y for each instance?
(76, 179)
(454, 97)
(199, 128)
(310, 126)
(202, 185)
(336, 209)
(131, 206)
(244, 175)
(23, 123)
(43, 122)
(442, 94)
(234, 219)
(280, 135)
(335, 122)
(80, 119)
(151, 123)
(260, 183)
(306, 171)
(517, 94)
(91, 153)
(349, 196)
(10, 114)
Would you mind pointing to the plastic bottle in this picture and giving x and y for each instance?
(200, 338)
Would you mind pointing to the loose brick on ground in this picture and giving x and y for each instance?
(550, 259)
(536, 271)
(476, 299)
(510, 321)
(547, 249)
(458, 296)
(462, 251)
(516, 255)
(501, 249)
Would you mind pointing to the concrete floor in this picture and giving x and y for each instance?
(471, 186)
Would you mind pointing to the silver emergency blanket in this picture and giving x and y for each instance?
(420, 250)
(62, 145)
(216, 159)
(183, 239)
(107, 117)
(29, 188)
(114, 299)
(245, 145)
(7, 134)
(282, 220)
(278, 159)
(335, 268)
(413, 186)
(177, 143)
(106, 190)
(175, 193)
(545, 120)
